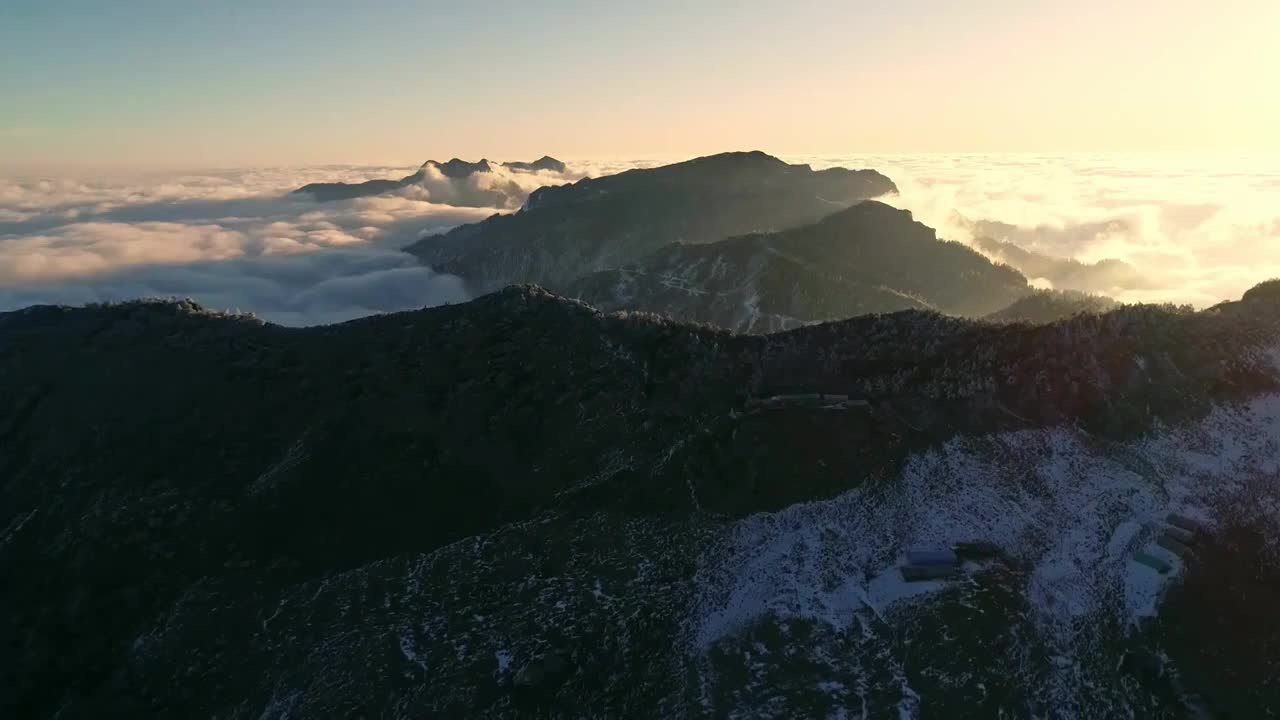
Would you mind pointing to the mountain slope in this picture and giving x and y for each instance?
(454, 169)
(568, 231)
(520, 506)
(866, 259)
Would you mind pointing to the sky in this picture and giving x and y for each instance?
(143, 83)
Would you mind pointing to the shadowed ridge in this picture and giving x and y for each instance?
(568, 231)
(454, 169)
(868, 258)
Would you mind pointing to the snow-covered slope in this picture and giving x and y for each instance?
(814, 592)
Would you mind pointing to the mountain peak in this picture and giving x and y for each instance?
(869, 210)
(458, 168)
(747, 158)
(546, 162)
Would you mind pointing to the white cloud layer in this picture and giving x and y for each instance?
(236, 239)
(1197, 231)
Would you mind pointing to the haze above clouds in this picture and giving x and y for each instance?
(1198, 231)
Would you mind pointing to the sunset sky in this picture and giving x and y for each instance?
(162, 83)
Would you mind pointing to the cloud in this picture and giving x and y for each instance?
(310, 289)
(88, 248)
(231, 239)
(238, 239)
(1197, 230)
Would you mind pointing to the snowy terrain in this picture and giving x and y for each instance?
(1068, 510)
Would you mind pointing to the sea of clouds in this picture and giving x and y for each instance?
(1197, 231)
(237, 239)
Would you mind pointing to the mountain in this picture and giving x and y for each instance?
(523, 507)
(869, 258)
(568, 231)
(454, 169)
(1043, 306)
(546, 163)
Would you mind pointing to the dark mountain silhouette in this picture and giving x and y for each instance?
(868, 258)
(544, 163)
(522, 507)
(454, 169)
(568, 231)
(328, 192)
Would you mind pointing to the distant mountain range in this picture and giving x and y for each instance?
(523, 507)
(454, 169)
(566, 232)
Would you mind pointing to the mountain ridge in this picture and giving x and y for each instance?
(454, 169)
(521, 505)
(867, 258)
(566, 231)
